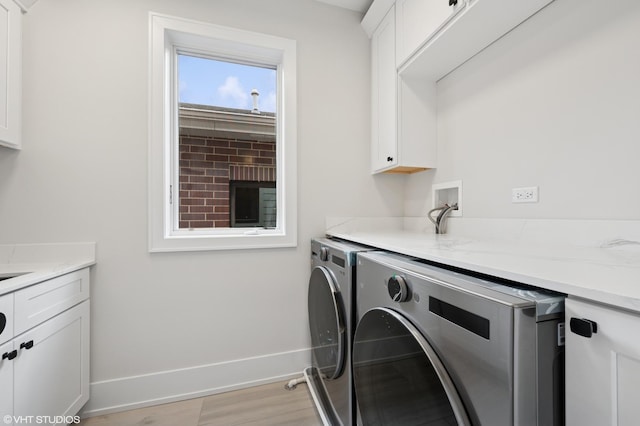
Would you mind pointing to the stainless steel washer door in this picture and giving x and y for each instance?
(398, 377)
(326, 323)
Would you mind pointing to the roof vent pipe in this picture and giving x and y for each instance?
(254, 95)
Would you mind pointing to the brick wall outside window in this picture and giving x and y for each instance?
(206, 167)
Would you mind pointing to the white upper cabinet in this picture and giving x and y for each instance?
(383, 94)
(418, 20)
(10, 74)
(462, 34)
(414, 43)
(402, 123)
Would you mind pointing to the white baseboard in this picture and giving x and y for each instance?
(128, 393)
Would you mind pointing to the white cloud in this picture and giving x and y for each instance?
(183, 89)
(233, 91)
(269, 102)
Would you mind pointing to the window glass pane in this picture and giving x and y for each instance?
(227, 144)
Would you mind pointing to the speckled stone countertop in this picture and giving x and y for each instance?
(595, 260)
(28, 264)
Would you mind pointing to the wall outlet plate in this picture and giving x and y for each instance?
(527, 194)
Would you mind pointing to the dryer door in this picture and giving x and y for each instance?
(326, 323)
(398, 377)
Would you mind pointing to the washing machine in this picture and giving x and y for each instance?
(331, 323)
(435, 346)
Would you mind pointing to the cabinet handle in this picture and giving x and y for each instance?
(583, 327)
(389, 159)
(26, 345)
(10, 355)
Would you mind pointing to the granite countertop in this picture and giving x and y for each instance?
(30, 264)
(595, 260)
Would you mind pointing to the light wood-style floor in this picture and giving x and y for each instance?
(268, 404)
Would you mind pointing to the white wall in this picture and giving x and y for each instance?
(554, 104)
(82, 176)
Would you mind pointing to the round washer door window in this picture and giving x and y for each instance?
(326, 323)
(398, 377)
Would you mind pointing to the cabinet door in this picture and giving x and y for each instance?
(10, 73)
(6, 383)
(602, 371)
(51, 372)
(418, 20)
(384, 95)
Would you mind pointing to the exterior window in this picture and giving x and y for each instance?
(222, 168)
(227, 140)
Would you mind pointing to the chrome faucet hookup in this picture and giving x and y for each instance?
(440, 220)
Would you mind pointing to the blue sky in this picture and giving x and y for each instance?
(224, 84)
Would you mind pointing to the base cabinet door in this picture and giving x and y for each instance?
(602, 365)
(6, 383)
(52, 368)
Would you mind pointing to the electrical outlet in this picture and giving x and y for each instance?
(524, 195)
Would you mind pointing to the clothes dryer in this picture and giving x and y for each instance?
(332, 316)
(435, 346)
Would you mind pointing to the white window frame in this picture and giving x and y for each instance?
(168, 35)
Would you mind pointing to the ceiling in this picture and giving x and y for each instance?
(357, 5)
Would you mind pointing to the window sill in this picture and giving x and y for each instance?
(229, 239)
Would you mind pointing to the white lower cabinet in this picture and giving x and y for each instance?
(44, 371)
(51, 376)
(6, 379)
(603, 370)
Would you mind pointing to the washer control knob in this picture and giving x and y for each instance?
(324, 254)
(398, 290)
